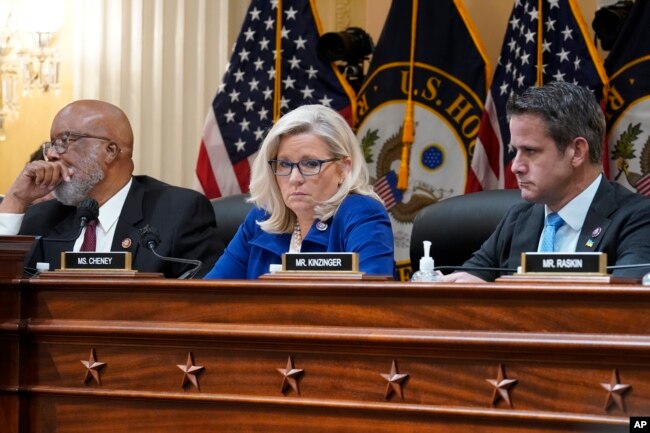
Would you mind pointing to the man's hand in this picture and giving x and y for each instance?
(461, 277)
(37, 179)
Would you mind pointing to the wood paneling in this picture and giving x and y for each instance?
(443, 346)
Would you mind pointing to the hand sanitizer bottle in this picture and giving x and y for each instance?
(426, 272)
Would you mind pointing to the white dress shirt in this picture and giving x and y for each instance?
(574, 214)
(109, 213)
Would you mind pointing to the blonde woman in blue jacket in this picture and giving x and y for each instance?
(311, 190)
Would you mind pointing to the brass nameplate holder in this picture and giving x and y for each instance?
(321, 266)
(94, 261)
(579, 264)
(320, 262)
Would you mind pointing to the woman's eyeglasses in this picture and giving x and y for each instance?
(306, 167)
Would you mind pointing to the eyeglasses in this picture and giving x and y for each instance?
(306, 167)
(60, 145)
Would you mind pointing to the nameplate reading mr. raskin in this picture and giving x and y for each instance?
(564, 263)
(321, 262)
(95, 261)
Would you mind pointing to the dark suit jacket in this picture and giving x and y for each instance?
(184, 218)
(618, 223)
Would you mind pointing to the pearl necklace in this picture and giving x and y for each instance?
(296, 239)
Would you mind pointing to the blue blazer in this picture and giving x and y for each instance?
(361, 225)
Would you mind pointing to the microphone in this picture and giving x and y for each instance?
(645, 280)
(637, 265)
(87, 211)
(150, 239)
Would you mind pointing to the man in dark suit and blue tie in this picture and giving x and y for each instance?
(90, 156)
(558, 131)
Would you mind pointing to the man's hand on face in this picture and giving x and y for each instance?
(37, 179)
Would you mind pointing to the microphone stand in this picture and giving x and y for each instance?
(150, 239)
(187, 274)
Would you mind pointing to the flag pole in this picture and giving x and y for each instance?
(408, 128)
(278, 63)
(539, 80)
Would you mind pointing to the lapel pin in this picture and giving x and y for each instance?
(321, 226)
(126, 243)
(595, 232)
(589, 243)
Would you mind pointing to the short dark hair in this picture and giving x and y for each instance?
(568, 110)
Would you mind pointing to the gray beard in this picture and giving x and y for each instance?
(88, 173)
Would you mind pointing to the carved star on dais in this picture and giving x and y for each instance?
(190, 372)
(502, 387)
(396, 381)
(291, 374)
(615, 392)
(93, 368)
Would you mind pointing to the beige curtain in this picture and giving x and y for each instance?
(161, 62)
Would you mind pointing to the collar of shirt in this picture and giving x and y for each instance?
(574, 214)
(109, 213)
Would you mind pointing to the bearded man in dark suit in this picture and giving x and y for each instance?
(90, 156)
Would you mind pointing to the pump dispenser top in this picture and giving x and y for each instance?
(426, 272)
(426, 262)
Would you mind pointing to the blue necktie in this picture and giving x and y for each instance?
(553, 222)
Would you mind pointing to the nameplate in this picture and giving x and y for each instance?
(96, 261)
(320, 262)
(564, 263)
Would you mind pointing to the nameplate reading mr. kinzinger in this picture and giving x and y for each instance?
(96, 261)
(321, 262)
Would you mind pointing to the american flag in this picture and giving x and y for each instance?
(243, 108)
(643, 185)
(628, 122)
(554, 36)
(386, 188)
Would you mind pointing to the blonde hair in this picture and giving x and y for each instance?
(330, 127)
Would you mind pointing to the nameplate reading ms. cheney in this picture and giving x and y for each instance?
(94, 261)
(564, 263)
(320, 262)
